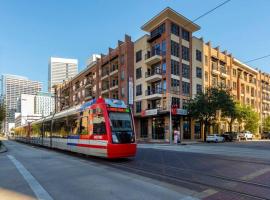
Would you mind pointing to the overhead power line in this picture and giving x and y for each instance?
(257, 58)
(208, 12)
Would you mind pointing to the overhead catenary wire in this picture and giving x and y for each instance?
(208, 12)
(259, 58)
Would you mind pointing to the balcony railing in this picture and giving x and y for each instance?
(105, 87)
(154, 91)
(223, 70)
(152, 53)
(105, 73)
(156, 71)
(214, 66)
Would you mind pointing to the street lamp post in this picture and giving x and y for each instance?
(170, 125)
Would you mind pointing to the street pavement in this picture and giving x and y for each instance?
(197, 171)
(245, 149)
(28, 172)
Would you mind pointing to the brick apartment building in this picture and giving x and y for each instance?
(168, 62)
(107, 77)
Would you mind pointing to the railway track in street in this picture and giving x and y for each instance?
(178, 176)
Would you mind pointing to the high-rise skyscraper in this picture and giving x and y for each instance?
(61, 69)
(12, 88)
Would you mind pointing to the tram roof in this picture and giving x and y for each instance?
(79, 108)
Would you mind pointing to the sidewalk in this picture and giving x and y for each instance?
(185, 142)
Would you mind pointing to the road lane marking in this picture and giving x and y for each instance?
(255, 174)
(39, 191)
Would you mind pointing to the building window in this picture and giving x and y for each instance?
(185, 88)
(198, 72)
(122, 59)
(234, 85)
(185, 71)
(123, 91)
(158, 30)
(138, 56)
(175, 67)
(164, 67)
(198, 55)
(206, 60)
(175, 49)
(185, 53)
(138, 90)
(175, 29)
(185, 34)
(175, 85)
(138, 73)
(214, 81)
(138, 106)
(122, 75)
(206, 76)
(199, 89)
(175, 102)
(163, 47)
(247, 89)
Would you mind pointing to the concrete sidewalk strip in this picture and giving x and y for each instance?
(255, 174)
(39, 191)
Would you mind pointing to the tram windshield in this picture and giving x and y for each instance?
(120, 121)
(121, 124)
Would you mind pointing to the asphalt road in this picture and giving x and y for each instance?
(28, 172)
(200, 171)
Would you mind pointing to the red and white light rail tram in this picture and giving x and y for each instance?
(100, 127)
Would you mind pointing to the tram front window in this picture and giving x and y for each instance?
(121, 124)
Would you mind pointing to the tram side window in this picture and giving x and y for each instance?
(99, 127)
(83, 126)
(60, 129)
(47, 129)
(73, 125)
(36, 130)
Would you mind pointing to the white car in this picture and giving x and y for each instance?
(214, 138)
(247, 135)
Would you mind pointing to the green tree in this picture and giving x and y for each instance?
(205, 106)
(266, 124)
(233, 113)
(251, 119)
(2, 113)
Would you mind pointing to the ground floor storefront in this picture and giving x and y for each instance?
(156, 128)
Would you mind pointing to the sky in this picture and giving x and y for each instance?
(32, 31)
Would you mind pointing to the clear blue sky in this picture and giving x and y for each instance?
(31, 31)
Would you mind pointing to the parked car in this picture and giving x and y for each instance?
(265, 135)
(228, 136)
(246, 135)
(215, 138)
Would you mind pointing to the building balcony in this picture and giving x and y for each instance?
(215, 68)
(153, 75)
(152, 57)
(88, 83)
(88, 97)
(223, 73)
(114, 87)
(114, 72)
(105, 74)
(155, 93)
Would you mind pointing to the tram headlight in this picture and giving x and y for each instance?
(114, 138)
